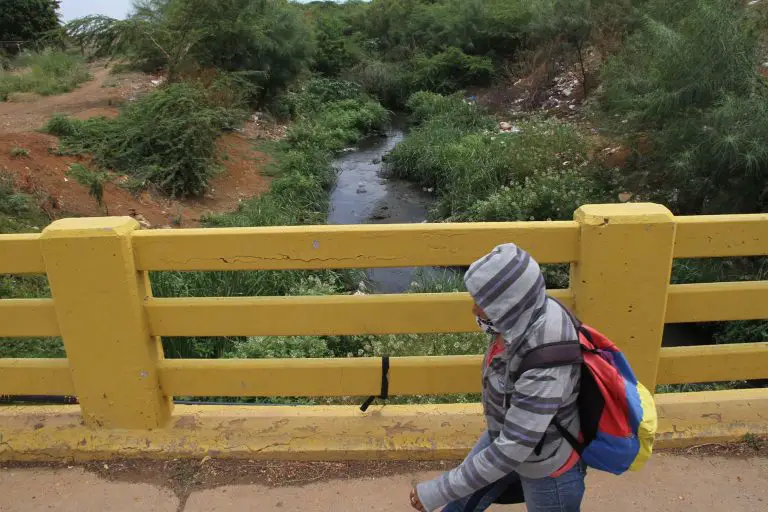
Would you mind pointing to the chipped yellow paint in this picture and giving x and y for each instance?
(359, 246)
(338, 433)
(710, 302)
(103, 308)
(620, 280)
(21, 254)
(709, 236)
(99, 300)
(713, 363)
(28, 317)
(329, 315)
(35, 377)
(328, 377)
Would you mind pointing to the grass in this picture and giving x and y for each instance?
(298, 195)
(19, 213)
(47, 72)
(542, 171)
(166, 139)
(17, 152)
(93, 180)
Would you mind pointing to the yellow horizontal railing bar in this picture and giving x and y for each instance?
(319, 315)
(709, 236)
(28, 318)
(319, 377)
(712, 302)
(713, 363)
(358, 246)
(21, 254)
(35, 377)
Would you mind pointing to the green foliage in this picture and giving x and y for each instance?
(389, 82)
(313, 94)
(166, 138)
(46, 73)
(283, 347)
(539, 172)
(689, 78)
(266, 40)
(338, 125)
(449, 110)
(692, 63)
(18, 212)
(335, 51)
(31, 348)
(545, 195)
(329, 117)
(94, 180)
(451, 70)
(19, 152)
(26, 22)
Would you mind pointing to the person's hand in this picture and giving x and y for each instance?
(416, 502)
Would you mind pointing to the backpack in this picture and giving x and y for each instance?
(618, 414)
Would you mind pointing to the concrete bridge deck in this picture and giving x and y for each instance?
(734, 480)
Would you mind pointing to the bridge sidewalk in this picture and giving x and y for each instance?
(671, 483)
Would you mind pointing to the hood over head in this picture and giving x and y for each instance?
(508, 286)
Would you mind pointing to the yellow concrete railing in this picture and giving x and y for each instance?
(102, 306)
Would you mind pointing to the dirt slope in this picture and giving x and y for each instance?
(43, 174)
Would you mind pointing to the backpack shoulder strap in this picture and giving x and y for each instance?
(561, 353)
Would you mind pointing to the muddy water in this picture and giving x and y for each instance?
(363, 196)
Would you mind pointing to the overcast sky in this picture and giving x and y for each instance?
(71, 9)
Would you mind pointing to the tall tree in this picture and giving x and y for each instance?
(25, 22)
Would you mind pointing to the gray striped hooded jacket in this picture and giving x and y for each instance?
(509, 287)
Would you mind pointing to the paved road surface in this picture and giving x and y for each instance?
(670, 484)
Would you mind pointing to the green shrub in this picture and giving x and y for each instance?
(166, 138)
(94, 180)
(315, 93)
(18, 212)
(298, 195)
(267, 41)
(389, 82)
(283, 347)
(538, 172)
(18, 152)
(450, 110)
(689, 78)
(451, 70)
(692, 57)
(546, 195)
(46, 73)
(337, 124)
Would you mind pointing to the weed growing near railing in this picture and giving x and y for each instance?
(46, 73)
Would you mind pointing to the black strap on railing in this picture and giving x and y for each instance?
(384, 385)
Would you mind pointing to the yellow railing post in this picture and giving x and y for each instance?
(98, 296)
(621, 278)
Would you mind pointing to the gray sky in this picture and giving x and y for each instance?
(71, 9)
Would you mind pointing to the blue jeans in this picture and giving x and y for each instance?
(561, 494)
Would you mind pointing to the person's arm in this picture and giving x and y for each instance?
(534, 400)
